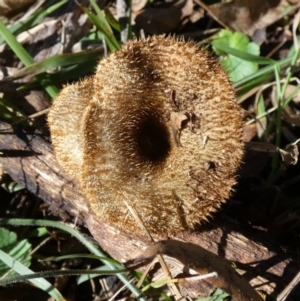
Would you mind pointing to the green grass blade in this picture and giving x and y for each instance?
(47, 84)
(96, 8)
(9, 111)
(33, 19)
(22, 270)
(243, 55)
(111, 19)
(129, 34)
(67, 74)
(90, 256)
(266, 72)
(292, 95)
(59, 60)
(291, 71)
(91, 247)
(26, 59)
(41, 15)
(53, 273)
(16, 47)
(103, 25)
(88, 277)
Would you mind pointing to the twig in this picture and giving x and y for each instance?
(172, 286)
(284, 294)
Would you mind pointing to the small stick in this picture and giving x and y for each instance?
(35, 115)
(285, 293)
(173, 288)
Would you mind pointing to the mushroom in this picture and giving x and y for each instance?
(158, 129)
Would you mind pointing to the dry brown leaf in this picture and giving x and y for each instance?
(137, 5)
(8, 6)
(187, 9)
(7, 71)
(197, 259)
(289, 90)
(289, 155)
(250, 131)
(197, 15)
(159, 20)
(164, 19)
(248, 15)
(291, 118)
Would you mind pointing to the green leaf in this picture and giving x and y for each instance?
(240, 55)
(38, 232)
(7, 238)
(218, 295)
(12, 186)
(18, 250)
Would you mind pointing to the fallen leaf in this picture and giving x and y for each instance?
(248, 15)
(159, 20)
(289, 90)
(137, 5)
(193, 258)
(249, 132)
(8, 6)
(290, 154)
(187, 9)
(197, 15)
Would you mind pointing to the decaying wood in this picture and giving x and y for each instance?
(29, 160)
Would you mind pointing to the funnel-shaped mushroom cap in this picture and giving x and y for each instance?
(157, 128)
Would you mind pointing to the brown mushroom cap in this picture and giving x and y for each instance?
(157, 128)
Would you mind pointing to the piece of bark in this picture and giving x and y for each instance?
(29, 160)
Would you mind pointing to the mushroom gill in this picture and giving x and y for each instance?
(158, 128)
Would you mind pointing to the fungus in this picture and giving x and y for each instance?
(157, 127)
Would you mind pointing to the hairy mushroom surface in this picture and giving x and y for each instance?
(156, 128)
